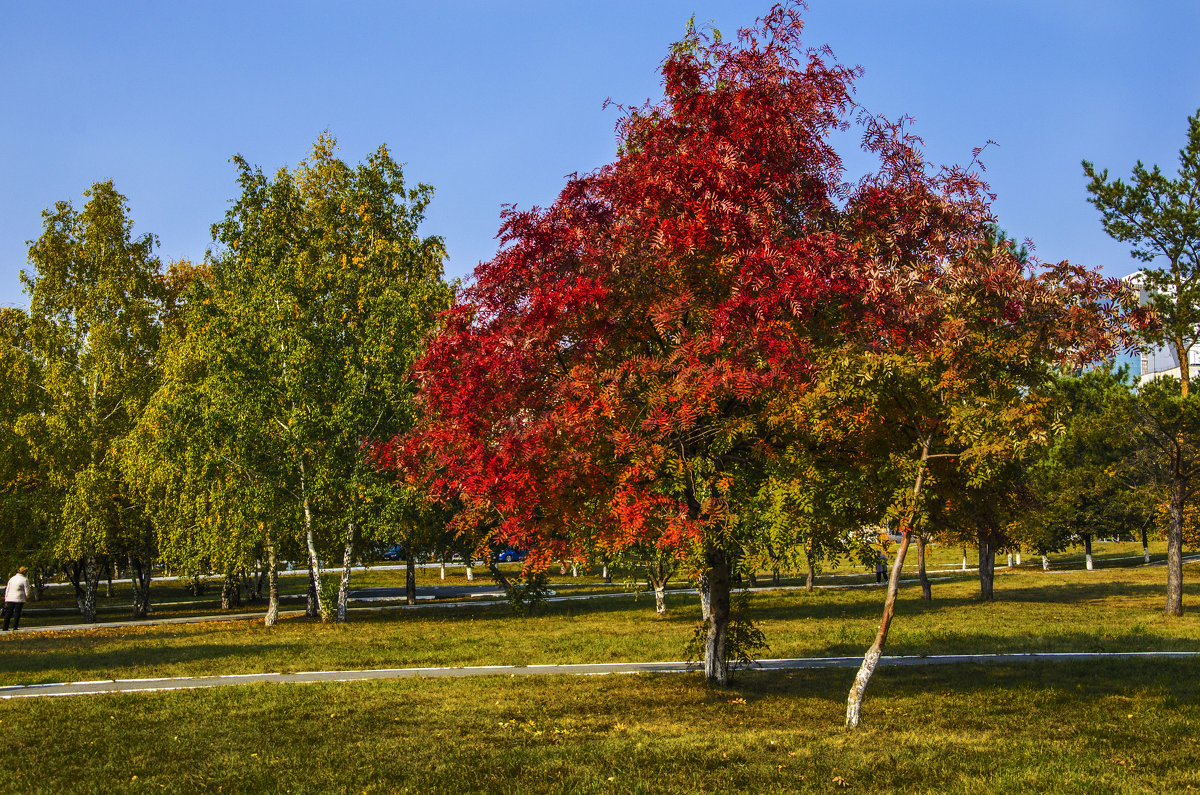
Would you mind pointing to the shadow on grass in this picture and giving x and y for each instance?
(109, 664)
(1064, 683)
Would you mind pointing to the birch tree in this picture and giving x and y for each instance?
(320, 297)
(93, 332)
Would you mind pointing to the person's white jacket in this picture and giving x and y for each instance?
(18, 589)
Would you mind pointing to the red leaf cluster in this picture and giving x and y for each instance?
(603, 377)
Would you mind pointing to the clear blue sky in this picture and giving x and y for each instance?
(495, 103)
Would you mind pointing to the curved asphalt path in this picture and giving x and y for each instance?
(586, 669)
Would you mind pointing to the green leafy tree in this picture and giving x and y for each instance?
(1159, 217)
(93, 333)
(1088, 482)
(320, 296)
(22, 535)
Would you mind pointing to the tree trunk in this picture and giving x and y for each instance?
(1045, 563)
(91, 584)
(231, 592)
(1145, 545)
(272, 585)
(1175, 543)
(311, 608)
(139, 576)
(314, 563)
(499, 577)
(964, 551)
(871, 659)
(809, 578)
(111, 571)
(987, 568)
(1181, 353)
(410, 579)
(1010, 560)
(1018, 557)
(1087, 551)
(658, 574)
(926, 585)
(716, 666)
(605, 575)
(470, 569)
(443, 562)
(343, 597)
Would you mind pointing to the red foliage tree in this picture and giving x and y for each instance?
(605, 376)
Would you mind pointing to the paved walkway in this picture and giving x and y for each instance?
(586, 669)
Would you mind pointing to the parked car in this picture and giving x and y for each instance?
(510, 555)
(394, 552)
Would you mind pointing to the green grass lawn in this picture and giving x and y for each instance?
(1112, 726)
(171, 598)
(1107, 610)
(1066, 727)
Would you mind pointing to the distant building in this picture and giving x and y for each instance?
(1160, 361)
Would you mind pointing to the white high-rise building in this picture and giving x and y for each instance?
(1160, 361)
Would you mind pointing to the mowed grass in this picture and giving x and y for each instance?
(1107, 610)
(1112, 726)
(1096, 726)
(171, 597)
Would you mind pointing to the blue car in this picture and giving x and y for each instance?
(394, 553)
(510, 555)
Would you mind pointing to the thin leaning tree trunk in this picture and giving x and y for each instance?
(871, 658)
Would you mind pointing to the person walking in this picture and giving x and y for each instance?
(880, 566)
(16, 593)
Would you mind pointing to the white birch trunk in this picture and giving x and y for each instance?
(343, 597)
(272, 586)
(313, 560)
